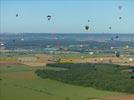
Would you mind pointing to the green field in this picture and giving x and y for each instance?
(17, 82)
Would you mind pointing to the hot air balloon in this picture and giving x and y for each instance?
(133, 69)
(48, 17)
(117, 54)
(22, 39)
(117, 37)
(127, 46)
(2, 44)
(112, 38)
(13, 41)
(119, 7)
(17, 15)
(120, 17)
(82, 57)
(130, 59)
(86, 27)
(110, 27)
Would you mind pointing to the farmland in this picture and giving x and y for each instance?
(20, 81)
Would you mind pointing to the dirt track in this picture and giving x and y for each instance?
(37, 60)
(5, 63)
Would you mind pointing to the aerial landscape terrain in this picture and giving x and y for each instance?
(68, 71)
(66, 50)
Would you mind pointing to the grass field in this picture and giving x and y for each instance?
(19, 81)
(48, 90)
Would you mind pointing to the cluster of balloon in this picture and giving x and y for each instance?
(87, 26)
(110, 29)
(16, 16)
(120, 7)
(49, 17)
(116, 37)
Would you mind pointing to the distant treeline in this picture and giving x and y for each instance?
(101, 76)
(41, 44)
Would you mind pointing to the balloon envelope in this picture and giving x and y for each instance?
(110, 27)
(117, 37)
(120, 17)
(120, 7)
(17, 15)
(86, 27)
(48, 17)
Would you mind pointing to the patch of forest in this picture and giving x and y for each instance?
(101, 76)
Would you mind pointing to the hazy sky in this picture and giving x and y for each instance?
(67, 16)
